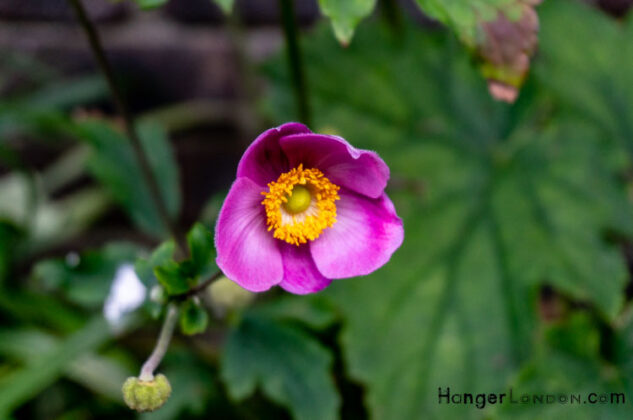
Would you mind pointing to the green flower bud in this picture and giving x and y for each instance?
(146, 395)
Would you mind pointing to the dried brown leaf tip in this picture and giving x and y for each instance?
(506, 45)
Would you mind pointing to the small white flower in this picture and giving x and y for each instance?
(126, 294)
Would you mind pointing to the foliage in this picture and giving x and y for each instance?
(345, 15)
(498, 202)
(225, 5)
(466, 16)
(600, 92)
(291, 367)
(193, 318)
(84, 279)
(150, 4)
(23, 384)
(178, 277)
(113, 164)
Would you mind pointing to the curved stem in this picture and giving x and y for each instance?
(166, 332)
(198, 288)
(295, 59)
(128, 121)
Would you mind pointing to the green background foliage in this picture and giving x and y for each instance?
(512, 199)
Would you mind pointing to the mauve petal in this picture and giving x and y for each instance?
(247, 253)
(362, 240)
(362, 171)
(300, 274)
(264, 160)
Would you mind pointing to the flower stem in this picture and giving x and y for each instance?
(128, 121)
(295, 60)
(198, 288)
(166, 332)
(391, 13)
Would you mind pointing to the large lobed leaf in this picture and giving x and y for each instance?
(590, 69)
(291, 367)
(509, 202)
(570, 365)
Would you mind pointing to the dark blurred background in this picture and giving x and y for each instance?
(186, 53)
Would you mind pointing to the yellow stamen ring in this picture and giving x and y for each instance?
(300, 205)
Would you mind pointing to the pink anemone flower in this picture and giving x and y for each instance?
(305, 208)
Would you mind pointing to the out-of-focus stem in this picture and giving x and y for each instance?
(128, 121)
(295, 60)
(166, 332)
(247, 118)
(164, 338)
(198, 288)
(391, 13)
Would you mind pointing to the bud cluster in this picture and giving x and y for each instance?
(148, 395)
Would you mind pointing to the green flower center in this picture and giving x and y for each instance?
(298, 200)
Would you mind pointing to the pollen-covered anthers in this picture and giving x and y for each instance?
(290, 215)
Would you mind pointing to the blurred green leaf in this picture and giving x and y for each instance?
(65, 94)
(202, 249)
(623, 350)
(178, 277)
(193, 318)
(496, 203)
(345, 15)
(150, 4)
(290, 366)
(40, 112)
(172, 277)
(569, 362)
(315, 311)
(34, 308)
(23, 118)
(503, 35)
(225, 5)
(465, 16)
(100, 374)
(9, 237)
(46, 222)
(115, 165)
(23, 384)
(59, 220)
(144, 267)
(589, 70)
(85, 279)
